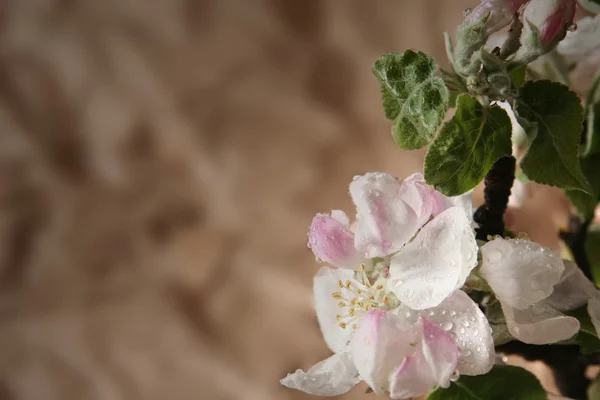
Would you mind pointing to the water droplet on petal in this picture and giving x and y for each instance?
(472, 318)
(447, 325)
(409, 293)
(465, 324)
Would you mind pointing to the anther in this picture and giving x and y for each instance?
(354, 326)
(379, 287)
(342, 325)
(348, 284)
(340, 284)
(362, 267)
(336, 295)
(341, 304)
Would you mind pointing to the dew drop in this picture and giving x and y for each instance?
(478, 349)
(466, 353)
(452, 313)
(472, 318)
(475, 332)
(409, 293)
(461, 330)
(431, 313)
(465, 324)
(447, 325)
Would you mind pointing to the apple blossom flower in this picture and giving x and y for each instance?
(392, 348)
(523, 275)
(390, 212)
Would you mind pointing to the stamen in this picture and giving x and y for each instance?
(379, 287)
(343, 325)
(385, 300)
(348, 284)
(341, 304)
(340, 284)
(337, 295)
(351, 312)
(353, 326)
(362, 267)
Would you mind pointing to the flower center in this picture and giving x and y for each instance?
(357, 298)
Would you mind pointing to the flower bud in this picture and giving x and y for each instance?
(551, 18)
(496, 14)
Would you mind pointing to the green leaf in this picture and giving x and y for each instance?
(467, 146)
(591, 5)
(414, 98)
(592, 113)
(585, 203)
(503, 382)
(553, 156)
(517, 76)
(592, 250)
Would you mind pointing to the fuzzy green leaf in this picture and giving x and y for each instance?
(467, 146)
(553, 156)
(585, 203)
(501, 383)
(414, 98)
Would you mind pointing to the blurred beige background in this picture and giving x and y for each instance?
(160, 162)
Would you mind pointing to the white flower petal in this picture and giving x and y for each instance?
(464, 201)
(573, 289)
(462, 318)
(436, 262)
(341, 217)
(333, 376)
(594, 312)
(420, 196)
(520, 272)
(539, 324)
(332, 241)
(379, 345)
(325, 284)
(385, 221)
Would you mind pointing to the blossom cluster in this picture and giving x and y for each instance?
(394, 302)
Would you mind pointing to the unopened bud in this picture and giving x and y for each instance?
(496, 14)
(551, 18)
(545, 24)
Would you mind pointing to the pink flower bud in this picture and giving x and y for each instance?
(332, 242)
(550, 17)
(499, 13)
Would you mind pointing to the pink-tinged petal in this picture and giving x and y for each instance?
(440, 351)
(594, 312)
(379, 345)
(436, 262)
(411, 379)
(341, 217)
(333, 376)
(496, 13)
(465, 322)
(385, 221)
(420, 196)
(332, 242)
(573, 290)
(539, 324)
(520, 272)
(433, 363)
(324, 285)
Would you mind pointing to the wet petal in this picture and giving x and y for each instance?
(385, 221)
(332, 242)
(419, 195)
(436, 262)
(411, 379)
(439, 350)
(464, 201)
(520, 272)
(573, 289)
(539, 324)
(468, 326)
(333, 376)
(582, 41)
(325, 284)
(379, 345)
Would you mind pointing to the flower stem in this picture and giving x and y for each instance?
(498, 182)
